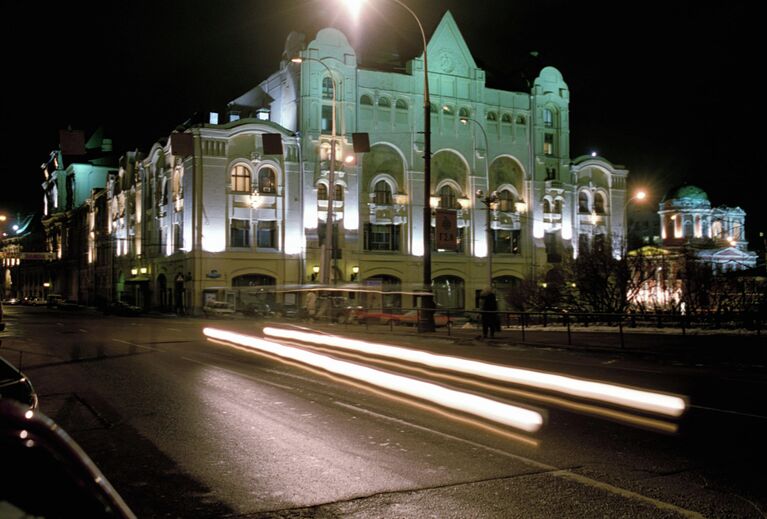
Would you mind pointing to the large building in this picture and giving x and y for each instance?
(212, 209)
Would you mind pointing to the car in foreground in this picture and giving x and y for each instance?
(46, 474)
(15, 385)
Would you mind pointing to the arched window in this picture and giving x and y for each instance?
(463, 112)
(583, 203)
(506, 119)
(548, 118)
(322, 192)
(384, 102)
(382, 193)
(492, 116)
(448, 110)
(338, 194)
(521, 120)
(327, 88)
(599, 203)
(506, 201)
(366, 100)
(447, 198)
(449, 292)
(401, 104)
(546, 206)
(558, 206)
(240, 179)
(433, 108)
(267, 181)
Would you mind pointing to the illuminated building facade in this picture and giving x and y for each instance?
(209, 210)
(717, 235)
(697, 241)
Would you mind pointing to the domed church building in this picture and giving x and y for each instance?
(715, 234)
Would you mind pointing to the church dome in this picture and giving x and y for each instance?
(685, 197)
(686, 192)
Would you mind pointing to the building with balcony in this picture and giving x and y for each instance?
(215, 208)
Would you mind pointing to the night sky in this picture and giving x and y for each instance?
(668, 89)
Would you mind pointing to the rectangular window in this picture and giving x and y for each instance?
(553, 254)
(506, 242)
(239, 233)
(599, 243)
(583, 242)
(382, 237)
(327, 117)
(267, 235)
(548, 144)
(178, 238)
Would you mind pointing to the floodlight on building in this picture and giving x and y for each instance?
(134, 271)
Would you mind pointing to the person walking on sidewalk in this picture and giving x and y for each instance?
(489, 307)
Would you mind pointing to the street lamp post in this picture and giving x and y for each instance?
(328, 254)
(490, 201)
(426, 319)
(639, 195)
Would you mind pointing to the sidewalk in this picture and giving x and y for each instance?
(731, 348)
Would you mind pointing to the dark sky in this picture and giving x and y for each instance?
(668, 89)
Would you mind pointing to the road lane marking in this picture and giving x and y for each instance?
(137, 345)
(728, 411)
(548, 469)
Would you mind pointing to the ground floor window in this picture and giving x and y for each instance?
(267, 235)
(239, 233)
(506, 242)
(382, 237)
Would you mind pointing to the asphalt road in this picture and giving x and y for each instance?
(186, 427)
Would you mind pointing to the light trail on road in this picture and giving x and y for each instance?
(513, 416)
(660, 403)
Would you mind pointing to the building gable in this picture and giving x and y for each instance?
(448, 52)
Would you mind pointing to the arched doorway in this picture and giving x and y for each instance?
(449, 292)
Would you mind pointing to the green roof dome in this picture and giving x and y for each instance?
(688, 192)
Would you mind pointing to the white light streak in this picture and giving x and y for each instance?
(499, 412)
(660, 403)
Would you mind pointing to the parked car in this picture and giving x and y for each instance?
(218, 309)
(15, 385)
(123, 308)
(408, 318)
(53, 300)
(46, 474)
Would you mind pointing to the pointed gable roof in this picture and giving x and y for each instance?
(448, 52)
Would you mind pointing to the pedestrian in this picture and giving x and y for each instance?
(489, 307)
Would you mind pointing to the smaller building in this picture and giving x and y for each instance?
(699, 243)
(715, 235)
